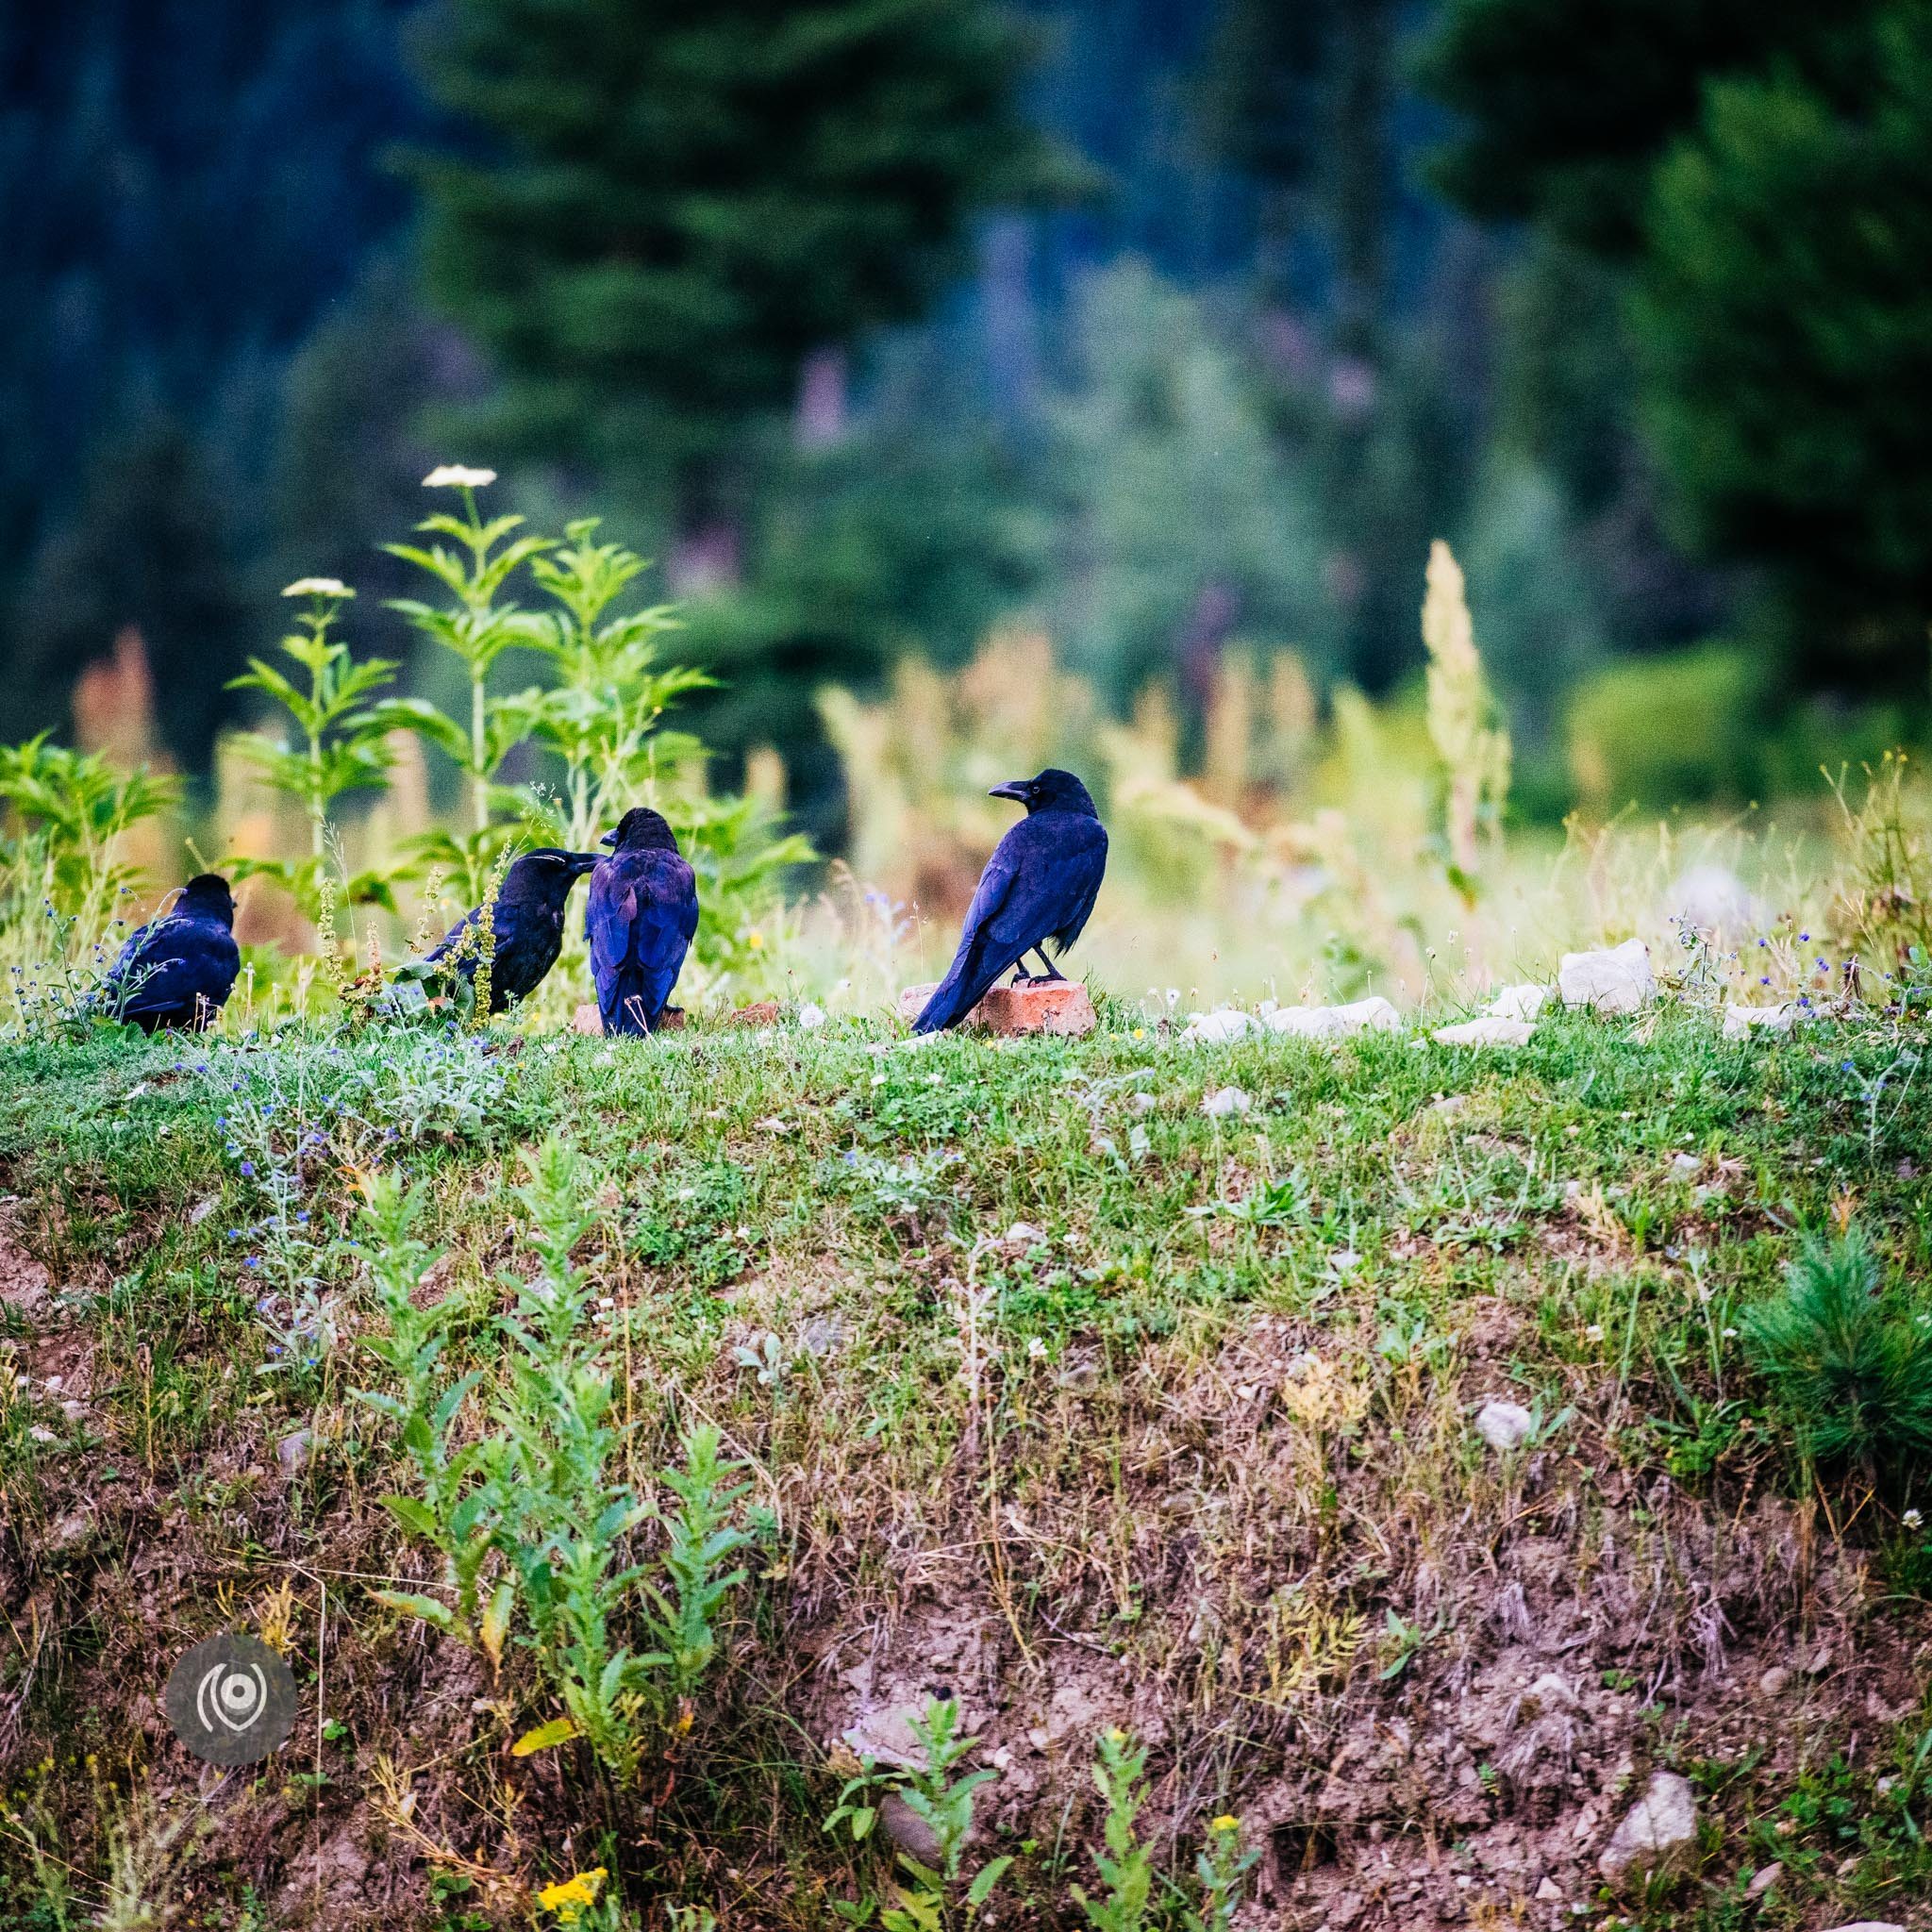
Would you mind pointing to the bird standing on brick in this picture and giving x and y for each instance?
(1039, 885)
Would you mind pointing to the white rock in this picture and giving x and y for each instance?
(1553, 1692)
(1225, 1101)
(1871, 1925)
(913, 1001)
(1658, 1835)
(1219, 1029)
(1685, 1165)
(885, 1735)
(1742, 1022)
(1617, 979)
(293, 1451)
(1762, 1881)
(1485, 1032)
(1372, 1015)
(1713, 898)
(1548, 1891)
(1503, 1425)
(1518, 1002)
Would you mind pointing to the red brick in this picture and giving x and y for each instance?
(1049, 1006)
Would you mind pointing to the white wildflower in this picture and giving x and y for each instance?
(318, 587)
(811, 1016)
(458, 477)
(1912, 1520)
(1036, 1350)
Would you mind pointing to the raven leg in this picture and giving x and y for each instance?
(1052, 972)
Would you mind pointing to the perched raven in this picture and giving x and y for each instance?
(1039, 884)
(643, 910)
(526, 922)
(177, 969)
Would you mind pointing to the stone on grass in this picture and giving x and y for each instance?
(1713, 899)
(1616, 979)
(1657, 1837)
(760, 1013)
(292, 1452)
(1487, 1031)
(913, 1000)
(1762, 1881)
(1871, 1925)
(1219, 1028)
(1524, 1001)
(1225, 1101)
(1503, 1425)
(1741, 1023)
(1372, 1015)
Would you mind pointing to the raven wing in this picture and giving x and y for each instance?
(178, 961)
(665, 918)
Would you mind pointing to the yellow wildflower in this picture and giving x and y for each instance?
(574, 1896)
(1226, 1822)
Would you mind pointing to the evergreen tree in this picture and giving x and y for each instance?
(1567, 104)
(683, 200)
(1785, 304)
(145, 547)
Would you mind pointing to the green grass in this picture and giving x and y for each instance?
(1014, 1336)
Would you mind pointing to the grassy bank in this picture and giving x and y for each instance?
(1052, 1392)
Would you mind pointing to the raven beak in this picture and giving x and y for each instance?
(1014, 789)
(608, 839)
(581, 862)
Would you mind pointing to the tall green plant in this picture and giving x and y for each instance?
(477, 624)
(602, 716)
(69, 810)
(340, 737)
(455, 1507)
(527, 1501)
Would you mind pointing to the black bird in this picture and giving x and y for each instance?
(643, 910)
(177, 969)
(1039, 884)
(526, 922)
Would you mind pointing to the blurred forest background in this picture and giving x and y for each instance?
(1173, 328)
